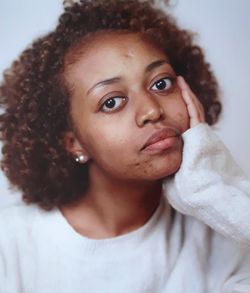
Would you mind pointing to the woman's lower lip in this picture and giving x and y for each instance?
(162, 145)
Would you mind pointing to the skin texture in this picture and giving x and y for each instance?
(142, 111)
(125, 179)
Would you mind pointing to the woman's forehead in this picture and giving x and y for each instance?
(113, 55)
(102, 42)
(124, 58)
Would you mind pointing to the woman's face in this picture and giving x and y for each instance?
(126, 108)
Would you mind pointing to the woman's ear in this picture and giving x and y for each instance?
(74, 147)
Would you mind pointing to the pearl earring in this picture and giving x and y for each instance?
(81, 159)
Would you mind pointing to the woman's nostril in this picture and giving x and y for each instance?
(146, 121)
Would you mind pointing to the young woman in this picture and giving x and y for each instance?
(122, 179)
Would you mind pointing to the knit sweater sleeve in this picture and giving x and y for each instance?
(210, 186)
(239, 281)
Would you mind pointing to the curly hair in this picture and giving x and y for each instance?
(36, 100)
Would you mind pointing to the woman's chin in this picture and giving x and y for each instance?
(167, 168)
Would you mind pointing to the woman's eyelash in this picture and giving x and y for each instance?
(112, 104)
(163, 84)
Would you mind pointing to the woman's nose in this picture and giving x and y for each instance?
(149, 110)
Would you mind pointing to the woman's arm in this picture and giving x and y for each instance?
(209, 184)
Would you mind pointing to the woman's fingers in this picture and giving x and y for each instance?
(194, 107)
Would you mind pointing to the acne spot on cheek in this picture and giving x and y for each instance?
(145, 166)
(182, 120)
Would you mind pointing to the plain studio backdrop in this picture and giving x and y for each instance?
(223, 30)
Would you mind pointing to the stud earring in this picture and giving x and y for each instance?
(81, 159)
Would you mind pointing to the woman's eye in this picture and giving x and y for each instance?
(163, 84)
(113, 104)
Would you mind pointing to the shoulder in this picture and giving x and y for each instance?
(21, 220)
(17, 214)
(15, 220)
(23, 228)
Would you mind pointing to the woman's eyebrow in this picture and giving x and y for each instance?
(104, 82)
(155, 64)
(108, 81)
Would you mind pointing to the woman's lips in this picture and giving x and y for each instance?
(162, 140)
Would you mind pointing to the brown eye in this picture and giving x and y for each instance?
(162, 84)
(113, 104)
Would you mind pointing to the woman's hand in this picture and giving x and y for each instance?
(194, 106)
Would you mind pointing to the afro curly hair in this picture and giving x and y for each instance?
(36, 101)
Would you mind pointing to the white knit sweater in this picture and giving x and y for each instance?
(171, 253)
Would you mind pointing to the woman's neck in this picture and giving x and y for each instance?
(111, 207)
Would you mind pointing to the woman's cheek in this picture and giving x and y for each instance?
(179, 114)
(183, 120)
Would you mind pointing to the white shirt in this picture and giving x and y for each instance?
(171, 253)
